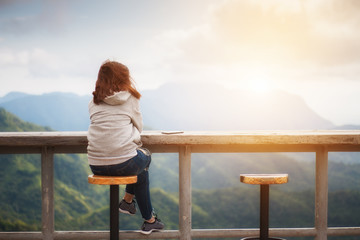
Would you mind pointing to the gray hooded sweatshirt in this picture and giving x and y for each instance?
(114, 131)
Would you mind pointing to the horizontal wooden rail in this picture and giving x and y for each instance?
(173, 234)
(333, 137)
(319, 142)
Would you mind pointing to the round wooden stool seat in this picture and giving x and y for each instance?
(112, 180)
(264, 179)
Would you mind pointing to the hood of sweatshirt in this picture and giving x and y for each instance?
(118, 98)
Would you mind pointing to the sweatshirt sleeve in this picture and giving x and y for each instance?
(136, 117)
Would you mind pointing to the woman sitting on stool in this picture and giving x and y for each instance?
(114, 142)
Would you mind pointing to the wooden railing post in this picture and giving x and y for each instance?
(321, 194)
(185, 193)
(47, 191)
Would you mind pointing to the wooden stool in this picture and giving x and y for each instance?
(264, 180)
(114, 182)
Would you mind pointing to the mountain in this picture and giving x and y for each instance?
(184, 106)
(347, 127)
(60, 111)
(11, 123)
(13, 95)
(178, 106)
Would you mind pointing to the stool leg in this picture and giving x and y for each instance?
(114, 212)
(264, 212)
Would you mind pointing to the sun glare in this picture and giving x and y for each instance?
(259, 83)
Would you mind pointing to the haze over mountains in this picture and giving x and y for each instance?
(178, 106)
(60, 111)
(212, 107)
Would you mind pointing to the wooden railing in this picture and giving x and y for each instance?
(319, 142)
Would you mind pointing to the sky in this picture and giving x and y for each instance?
(310, 48)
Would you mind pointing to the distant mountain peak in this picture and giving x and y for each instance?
(12, 96)
(61, 111)
(186, 106)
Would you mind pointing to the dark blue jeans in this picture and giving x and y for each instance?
(139, 166)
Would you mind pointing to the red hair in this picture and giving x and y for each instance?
(113, 77)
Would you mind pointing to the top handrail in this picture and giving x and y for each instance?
(283, 137)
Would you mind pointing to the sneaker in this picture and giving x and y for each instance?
(128, 208)
(148, 228)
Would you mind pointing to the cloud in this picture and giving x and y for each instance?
(39, 71)
(9, 58)
(339, 12)
(5, 3)
(37, 63)
(48, 16)
(323, 32)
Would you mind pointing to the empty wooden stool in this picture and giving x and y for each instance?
(264, 180)
(114, 182)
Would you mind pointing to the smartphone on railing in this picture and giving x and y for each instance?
(172, 132)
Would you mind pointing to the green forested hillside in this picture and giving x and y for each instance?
(11, 123)
(219, 199)
(20, 184)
